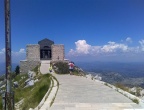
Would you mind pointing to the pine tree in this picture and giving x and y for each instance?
(17, 70)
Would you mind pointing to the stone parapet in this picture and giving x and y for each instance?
(26, 65)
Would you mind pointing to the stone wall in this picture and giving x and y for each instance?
(33, 52)
(25, 65)
(57, 52)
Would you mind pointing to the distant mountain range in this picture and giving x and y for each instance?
(129, 74)
(2, 67)
(132, 70)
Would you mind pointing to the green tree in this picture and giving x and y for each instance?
(17, 70)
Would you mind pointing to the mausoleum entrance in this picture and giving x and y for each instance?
(45, 49)
(45, 54)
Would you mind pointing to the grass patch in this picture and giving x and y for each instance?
(32, 95)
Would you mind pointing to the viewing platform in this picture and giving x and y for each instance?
(80, 93)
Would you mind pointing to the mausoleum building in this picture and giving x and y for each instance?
(44, 50)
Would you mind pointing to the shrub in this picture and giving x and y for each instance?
(135, 101)
(121, 86)
(61, 67)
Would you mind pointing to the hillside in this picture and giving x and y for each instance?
(29, 89)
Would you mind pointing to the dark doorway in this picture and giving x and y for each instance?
(45, 49)
(45, 54)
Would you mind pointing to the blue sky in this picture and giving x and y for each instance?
(104, 30)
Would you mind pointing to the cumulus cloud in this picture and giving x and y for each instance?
(128, 39)
(16, 56)
(82, 47)
(19, 53)
(111, 49)
(22, 50)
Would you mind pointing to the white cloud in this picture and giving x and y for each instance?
(22, 50)
(2, 51)
(128, 39)
(16, 56)
(72, 52)
(19, 53)
(82, 47)
(142, 44)
(111, 50)
(95, 49)
(113, 47)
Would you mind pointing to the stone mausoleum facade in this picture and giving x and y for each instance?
(44, 50)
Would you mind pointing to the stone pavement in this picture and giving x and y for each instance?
(79, 93)
(44, 68)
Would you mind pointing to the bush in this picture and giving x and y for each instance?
(61, 67)
(135, 101)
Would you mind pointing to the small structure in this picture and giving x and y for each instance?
(44, 50)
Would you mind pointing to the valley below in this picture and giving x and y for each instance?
(127, 74)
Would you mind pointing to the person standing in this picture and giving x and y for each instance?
(50, 69)
(71, 67)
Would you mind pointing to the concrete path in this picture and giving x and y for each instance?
(79, 93)
(44, 68)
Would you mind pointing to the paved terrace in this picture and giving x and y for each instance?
(79, 93)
